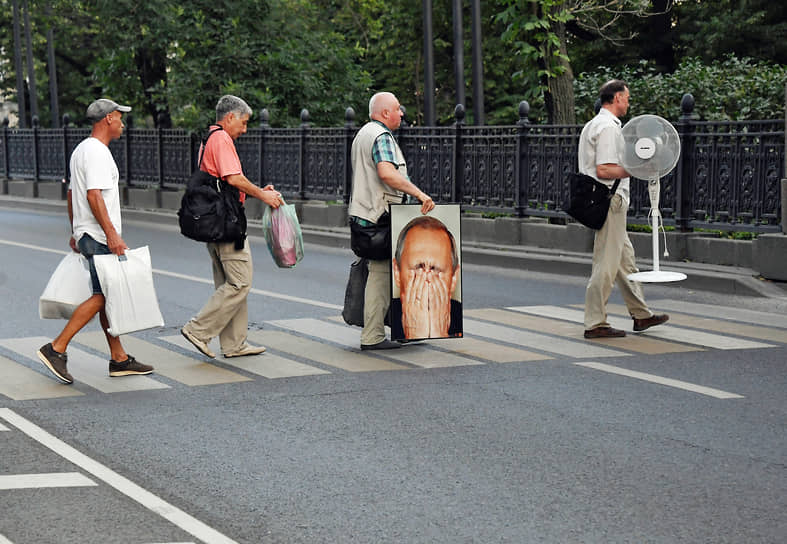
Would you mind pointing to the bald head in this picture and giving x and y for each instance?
(384, 107)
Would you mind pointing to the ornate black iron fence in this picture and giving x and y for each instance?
(728, 176)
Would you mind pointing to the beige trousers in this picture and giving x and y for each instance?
(377, 299)
(613, 260)
(226, 313)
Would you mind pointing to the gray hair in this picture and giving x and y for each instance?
(231, 104)
(429, 223)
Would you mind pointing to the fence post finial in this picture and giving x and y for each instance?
(524, 113)
(459, 114)
(349, 117)
(687, 107)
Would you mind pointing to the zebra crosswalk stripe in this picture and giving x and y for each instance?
(267, 365)
(326, 354)
(667, 332)
(543, 342)
(417, 355)
(21, 383)
(477, 348)
(760, 332)
(85, 367)
(723, 312)
(637, 344)
(186, 370)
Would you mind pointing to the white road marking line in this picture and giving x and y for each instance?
(4, 428)
(147, 499)
(52, 479)
(717, 393)
(4, 540)
(271, 294)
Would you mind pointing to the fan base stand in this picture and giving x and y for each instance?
(657, 276)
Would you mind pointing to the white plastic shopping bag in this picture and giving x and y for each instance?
(127, 283)
(68, 287)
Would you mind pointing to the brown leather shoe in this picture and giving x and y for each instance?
(604, 332)
(648, 322)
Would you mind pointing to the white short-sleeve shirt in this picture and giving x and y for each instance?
(601, 142)
(93, 167)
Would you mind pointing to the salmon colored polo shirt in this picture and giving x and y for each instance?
(221, 158)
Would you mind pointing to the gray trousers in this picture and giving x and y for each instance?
(613, 260)
(377, 299)
(226, 313)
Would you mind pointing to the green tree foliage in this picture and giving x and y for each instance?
(727, 89)
(749, 28)
(175, 58)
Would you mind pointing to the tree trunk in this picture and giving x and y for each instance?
(658, 35)
(561, 87)
(152, 69)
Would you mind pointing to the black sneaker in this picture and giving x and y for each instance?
(55, 362)
(129, 367)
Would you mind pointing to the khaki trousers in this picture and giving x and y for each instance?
(613, 260)
(377, 299)
(226, 313)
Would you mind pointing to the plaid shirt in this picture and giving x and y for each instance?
(384, 149)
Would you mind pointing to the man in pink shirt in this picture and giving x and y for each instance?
(226, 313)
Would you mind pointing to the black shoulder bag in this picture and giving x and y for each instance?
(371, 240)
(211, 210)
(588, 200)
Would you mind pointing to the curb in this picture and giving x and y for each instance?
(701, 277)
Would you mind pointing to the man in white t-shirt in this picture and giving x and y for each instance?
(94, 211)
(600, 152)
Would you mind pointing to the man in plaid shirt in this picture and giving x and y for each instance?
(379, 179)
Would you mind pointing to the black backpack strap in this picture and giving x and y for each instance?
(205, 144)
(614, 187)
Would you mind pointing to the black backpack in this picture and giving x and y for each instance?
(211, 210)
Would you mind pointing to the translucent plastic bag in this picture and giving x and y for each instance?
(68, 287)
(283, 234)
(127, 283)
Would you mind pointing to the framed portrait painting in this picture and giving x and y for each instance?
(426, 272)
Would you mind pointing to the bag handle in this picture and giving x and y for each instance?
(205, 144)
(614, 188)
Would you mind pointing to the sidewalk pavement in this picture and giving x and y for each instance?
(700, 276)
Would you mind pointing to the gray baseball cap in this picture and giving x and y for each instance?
(103, 106)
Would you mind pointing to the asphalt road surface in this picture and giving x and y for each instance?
(520, 432)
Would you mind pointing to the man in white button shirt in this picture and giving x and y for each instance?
(600, 151)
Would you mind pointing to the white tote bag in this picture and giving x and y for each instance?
(127, 283)
(68, 287)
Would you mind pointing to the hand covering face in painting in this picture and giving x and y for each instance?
(426, 269)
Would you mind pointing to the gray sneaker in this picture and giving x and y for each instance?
(55, 362)
(129, 367)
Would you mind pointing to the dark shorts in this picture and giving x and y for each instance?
(89, 247)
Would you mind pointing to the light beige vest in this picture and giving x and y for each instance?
(370, 196)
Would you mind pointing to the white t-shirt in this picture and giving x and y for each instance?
(93, 167)
(601, 142)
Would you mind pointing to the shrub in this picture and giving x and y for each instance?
(729, 89)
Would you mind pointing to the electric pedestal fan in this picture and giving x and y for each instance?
(651, 151)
